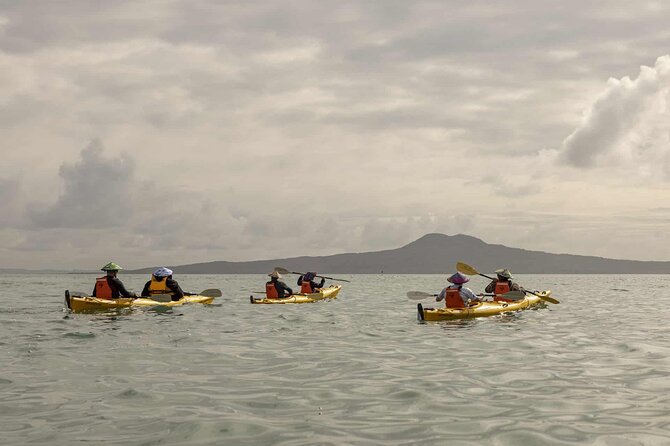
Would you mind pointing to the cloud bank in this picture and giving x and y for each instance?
(244, 130)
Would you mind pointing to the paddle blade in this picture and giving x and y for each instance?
(416, 295)
(544, 297)
(161, 297)
(514, 295)
(281, 270)
(79, 294)
(466, 269)
(211, 292)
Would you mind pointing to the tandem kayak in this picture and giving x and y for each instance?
(481, 309)
(324, 293)
(84, 304)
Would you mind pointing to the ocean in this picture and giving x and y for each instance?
(357, 370)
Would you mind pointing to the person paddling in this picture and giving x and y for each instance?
(456, 295)
(307, 283)
(109, 286)
(162, 283)
(275, 288)
(503, 284)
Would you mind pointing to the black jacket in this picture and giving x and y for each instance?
(313, 283)
(282, 289)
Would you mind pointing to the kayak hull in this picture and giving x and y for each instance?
(482, 309)
(330, 292)
(88, 304)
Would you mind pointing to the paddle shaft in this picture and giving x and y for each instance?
(325, 277)
(285, 271)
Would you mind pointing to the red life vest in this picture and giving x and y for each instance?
(453, 298)
(271, 291)
(306, 287)
(501, 288)
(102, 288)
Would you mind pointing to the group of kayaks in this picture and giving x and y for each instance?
(78, 302)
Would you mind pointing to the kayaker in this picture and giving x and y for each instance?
(308, 284)
(503, 284)
(109, 286)
(162, 283)
(275, 288)
(456, 295)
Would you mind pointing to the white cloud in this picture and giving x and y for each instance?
(628, 126)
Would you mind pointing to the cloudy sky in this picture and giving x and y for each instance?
(170, 132)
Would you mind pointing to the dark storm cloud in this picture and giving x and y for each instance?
(97, 194)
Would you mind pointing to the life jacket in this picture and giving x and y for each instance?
(159, 287)
(271, 291)
(453, 298)
(501, 288)
(306, 287)
(102, 288)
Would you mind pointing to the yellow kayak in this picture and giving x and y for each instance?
(324, 293)
(481, 309)
(85, 304)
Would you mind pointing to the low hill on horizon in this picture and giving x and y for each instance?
(434, 254)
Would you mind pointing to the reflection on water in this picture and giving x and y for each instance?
(357, 370)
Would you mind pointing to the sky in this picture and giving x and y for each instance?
(170, 132)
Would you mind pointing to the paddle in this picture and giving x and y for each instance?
(79, 294)
(210, 292)
(470, 271)
(281, 270)
(418, 295)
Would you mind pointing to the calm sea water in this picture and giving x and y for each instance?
(359, 370)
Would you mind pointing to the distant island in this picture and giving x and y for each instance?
(434, 254)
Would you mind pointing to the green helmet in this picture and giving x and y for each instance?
(111, 266)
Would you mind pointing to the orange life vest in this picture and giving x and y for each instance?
(306, 287)
(102, 288)
(501, 288)
(453, 298)
(158, 287)
(271, 291)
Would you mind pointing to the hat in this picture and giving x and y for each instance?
(111, 266)
(458, 278)
(162, 272)
(275, 275)
(504, 272)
